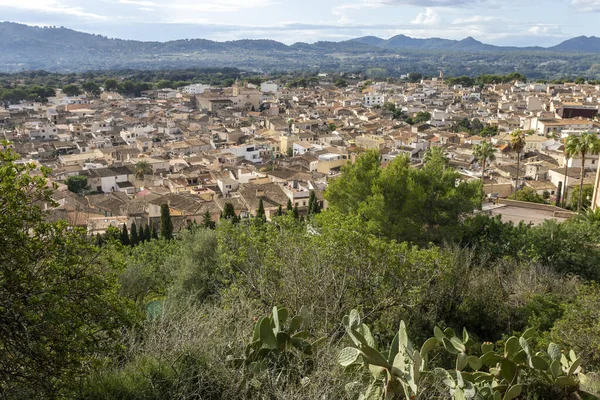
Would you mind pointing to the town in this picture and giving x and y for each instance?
(197, 148)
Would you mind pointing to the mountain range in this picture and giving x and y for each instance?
(26, 47)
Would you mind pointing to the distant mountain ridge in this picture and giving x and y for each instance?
(61, 49)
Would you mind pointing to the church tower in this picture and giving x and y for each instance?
(236, 88)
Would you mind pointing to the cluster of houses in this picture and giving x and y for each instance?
(203, 147)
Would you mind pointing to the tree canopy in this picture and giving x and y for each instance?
(405, 203)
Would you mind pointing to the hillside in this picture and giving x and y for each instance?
(60, 49)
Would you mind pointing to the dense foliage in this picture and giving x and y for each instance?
(252, 309)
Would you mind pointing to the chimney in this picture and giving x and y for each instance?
(260, 193)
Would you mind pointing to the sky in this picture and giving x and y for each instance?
(499, 22)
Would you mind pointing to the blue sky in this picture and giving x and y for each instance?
(502, 22)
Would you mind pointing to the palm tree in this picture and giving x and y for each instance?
(565, 187)
(142, 168)
(586, 143)
(517, 142)
(483, 153)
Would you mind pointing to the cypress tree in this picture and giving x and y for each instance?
(147, 233)
(289, 205)
(295, 212)
(313, 204)
(99, 240)
(207, 221)
(229, 212)
(133, 237)
(260, 213)
(279, 211)
(124, 237)
(166, 224)
(154, 234)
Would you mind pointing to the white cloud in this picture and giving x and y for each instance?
(201, 5)
(428, 17)
(50, 7)
(545, 29)
(586, 5)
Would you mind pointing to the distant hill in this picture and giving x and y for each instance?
(24, 47)
(580, 44)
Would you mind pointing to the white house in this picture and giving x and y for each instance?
(107, 180)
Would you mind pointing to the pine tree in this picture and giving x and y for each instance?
(289, 205)
(133, 237)
(124, 237)
(295, 212)
(260, 213)
(166, 224)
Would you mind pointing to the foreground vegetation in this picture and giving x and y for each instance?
(303, 308)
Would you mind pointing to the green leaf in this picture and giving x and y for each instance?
(524, 344)
(417, 361)
(573, 368)
(461, 361)
(429, 345)
(539, 363)
(354, 320)
(400, 362)
(511, 346)
(459, 394)
(486, 348)
(276, 319)
(587, 396)
(402, 335)
(376, 371)
(475, 363)
(295, 324)
(555, 369)
(393, 349)
(300, 335)
(520, 357)
(513, 392)
(449, 332)
(566, 381)
(302, 345)
(554, 351)
(458, 345)
(282, 339)
(266, 334)
(374, 357)
(491, 358)
(529, 333)
(348, 356)
(508, 371)
(437, 332)
(256, 334)
(465, 336)
(366, 333)
(445, 377)
(449, 346)
(572, 355)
